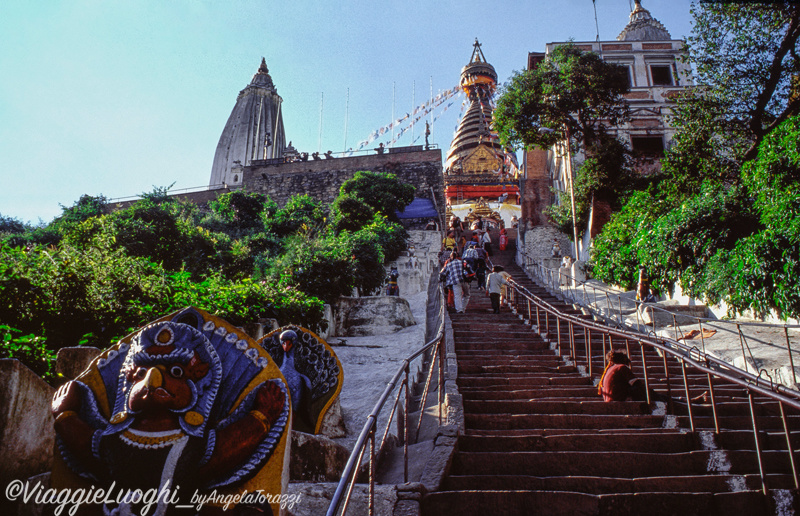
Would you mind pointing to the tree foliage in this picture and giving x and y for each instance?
(747, 53)
(722, 219)
(605, 175)
(572, 91)
(98, 275)
(381, 190)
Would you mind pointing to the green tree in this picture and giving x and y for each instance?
(604, 175)
(572, 91)
(245, 210)
(381, 190)
(350, 213)
(747, 54)
(301, 211)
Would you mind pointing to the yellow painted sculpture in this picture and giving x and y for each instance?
(312, 371)
(189, 404)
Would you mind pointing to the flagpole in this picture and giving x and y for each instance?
(321, 106)
(413, 104)
(346, 114)
(393, 119)
(431, 107)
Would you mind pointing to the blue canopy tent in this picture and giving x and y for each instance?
(419, 209)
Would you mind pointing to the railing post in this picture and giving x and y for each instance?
(538, 321)
(675, 325)
(371, 500)
(713, 401)
(789, 349)
(405, 428)
(529, 310)
(688, 395)
(572, 350)
(587, 335)
(644, 371)
(702, 338)
(441, 378)
(789, 446)
(547, 322)
(669, 383)
(558, 333)
(758, 443)
(741, 343)
(426, 389)
(638, 319)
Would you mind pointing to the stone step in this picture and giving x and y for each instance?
(467, 368)
(595, 407)
(568, 503)
(482, 381)
(603, 485)
(528, 421)
(665, 441)
(619, 464)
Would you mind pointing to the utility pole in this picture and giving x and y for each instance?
(568, 150)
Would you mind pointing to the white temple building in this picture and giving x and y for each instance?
(254, 130)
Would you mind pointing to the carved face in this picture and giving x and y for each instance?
(287, 345)
(159, 387)
(163, 386)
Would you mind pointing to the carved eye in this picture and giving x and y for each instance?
(176, 371)
(141, 372)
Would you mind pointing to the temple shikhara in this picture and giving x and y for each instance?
(480, 174)
(254, 130)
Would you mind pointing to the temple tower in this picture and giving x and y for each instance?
(479, 170)
(254, 130)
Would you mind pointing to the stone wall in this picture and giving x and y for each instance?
(539, 242)
(322, 178)
(418, 263)
(26, 424)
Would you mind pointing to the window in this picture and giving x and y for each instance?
(648, 146)
(661, 75)
(630, 77)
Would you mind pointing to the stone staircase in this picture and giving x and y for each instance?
(539, 439)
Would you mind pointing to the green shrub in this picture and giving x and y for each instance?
(30, 350)
(300, 212)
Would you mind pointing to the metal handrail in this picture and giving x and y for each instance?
(553, 278)
(692, 357)
(352, 468)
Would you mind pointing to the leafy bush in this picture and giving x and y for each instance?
(30, 350)
(381, 190)
(323, 267)
(301, 211)
(350, 213)
(391, 237)
(368, 257)
(242, 209)
(614, 254)
(680, 244)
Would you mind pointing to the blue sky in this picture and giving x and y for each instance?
(113, 98)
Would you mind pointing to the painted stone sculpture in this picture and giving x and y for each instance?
(312, 371)
(189, 403)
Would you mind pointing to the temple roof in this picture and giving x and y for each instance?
(479, 80)
(262, 78)
(478, 70)
(254, 129)
(643, 27)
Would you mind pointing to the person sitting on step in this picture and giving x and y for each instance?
(618, 382)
